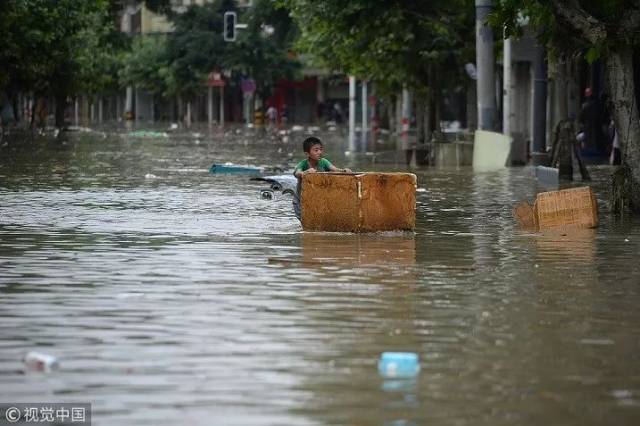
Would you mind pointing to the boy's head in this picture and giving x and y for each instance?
(309, 142)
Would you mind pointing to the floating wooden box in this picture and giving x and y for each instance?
(575, 207)
(366, 202)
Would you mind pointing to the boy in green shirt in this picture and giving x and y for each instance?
(314, 162)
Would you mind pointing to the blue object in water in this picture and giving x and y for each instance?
(395, 365)
(548, 175)
(232, 168)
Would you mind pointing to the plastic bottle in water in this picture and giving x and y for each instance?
(37, 361)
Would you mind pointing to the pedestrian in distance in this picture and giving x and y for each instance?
(337, 114)
(272, 115)
(590, 119)
(314, 163)
(272, 118)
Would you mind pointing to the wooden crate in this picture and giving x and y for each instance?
(363, 202)
(575, 207)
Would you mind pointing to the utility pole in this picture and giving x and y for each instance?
(352, 114)
(365, 117)
(210, 105)
(127, 27)
(507, 94)
(484, 61)
(539, 102)
(405, 126)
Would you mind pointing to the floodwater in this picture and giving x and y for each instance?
(172, 296)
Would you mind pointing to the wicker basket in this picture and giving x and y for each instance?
(575, 207)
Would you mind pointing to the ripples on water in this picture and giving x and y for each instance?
(186, 299)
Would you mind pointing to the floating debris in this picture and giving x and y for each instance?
(229, 168)
(267, 194)
(37, 361)
(575, 207)
(398, 365)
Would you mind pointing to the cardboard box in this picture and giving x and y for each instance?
(366, 202)
(568, 208)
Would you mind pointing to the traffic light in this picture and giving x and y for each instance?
(229, 31)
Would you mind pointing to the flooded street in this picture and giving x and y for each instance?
(171, 296)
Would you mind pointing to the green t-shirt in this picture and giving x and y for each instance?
(324, 165)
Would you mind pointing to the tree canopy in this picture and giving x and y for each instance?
(391, 42)
(44, 44)
(588, 26)
(179, 62)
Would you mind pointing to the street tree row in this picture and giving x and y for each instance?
(58, 49)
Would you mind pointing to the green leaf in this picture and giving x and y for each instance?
(592, 55)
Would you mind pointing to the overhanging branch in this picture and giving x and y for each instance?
(588, 27)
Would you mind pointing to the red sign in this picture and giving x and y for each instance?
(215, 79)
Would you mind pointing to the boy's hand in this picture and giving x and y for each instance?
(311, 170)
(346, 170)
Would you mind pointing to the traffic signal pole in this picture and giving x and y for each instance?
(484, 63)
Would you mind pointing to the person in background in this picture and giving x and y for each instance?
(272, 116)
(590, 119)
(315, 162)
(337, 113)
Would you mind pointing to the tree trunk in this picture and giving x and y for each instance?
(32, 108)
(619, 65)
(16, 109)
(61, 106)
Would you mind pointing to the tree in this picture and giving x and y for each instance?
(43, 46)
(392, 42)
(146, 65)
(262, 51)
(605, 29)
(196, 47)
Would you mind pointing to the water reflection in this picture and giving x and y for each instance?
(367, 301)
(572, 247)
(359, 249)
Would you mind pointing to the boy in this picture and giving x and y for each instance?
(314, 162)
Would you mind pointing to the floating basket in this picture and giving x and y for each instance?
(575, 207)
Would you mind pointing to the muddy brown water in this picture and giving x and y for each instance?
(173, 296)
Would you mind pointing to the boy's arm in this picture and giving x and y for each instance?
(335, 169)
(299, 173)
